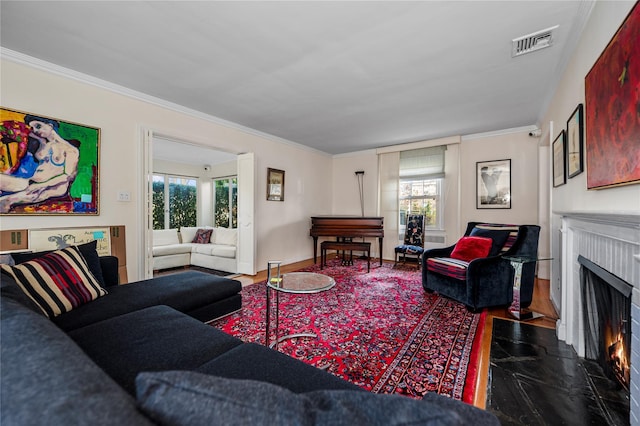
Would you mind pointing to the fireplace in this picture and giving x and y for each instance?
(607, 318)
(612, 242)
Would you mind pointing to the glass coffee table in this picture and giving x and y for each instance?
(292, 282)
(515, 310)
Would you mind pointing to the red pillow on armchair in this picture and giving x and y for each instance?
(469, 248)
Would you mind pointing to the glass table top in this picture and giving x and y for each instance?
(302, 282)
(526, 259)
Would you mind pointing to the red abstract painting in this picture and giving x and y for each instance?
(612, 98)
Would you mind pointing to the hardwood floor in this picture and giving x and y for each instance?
(541, 303)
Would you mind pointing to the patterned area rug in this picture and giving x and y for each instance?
(379, 330)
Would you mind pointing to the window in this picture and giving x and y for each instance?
(225, 202)
(420, 186)
(174, 201)
(421, 196)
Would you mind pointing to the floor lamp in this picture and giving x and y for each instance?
(360, 176)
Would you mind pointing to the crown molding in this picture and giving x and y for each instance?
(355, 153)
(524, 129)
(22, 59)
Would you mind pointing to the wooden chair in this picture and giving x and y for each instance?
(413, 240)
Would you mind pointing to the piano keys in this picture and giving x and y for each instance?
(346, 227)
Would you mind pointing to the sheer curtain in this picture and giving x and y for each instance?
(426, 163)
(388, 176)
(389, 162)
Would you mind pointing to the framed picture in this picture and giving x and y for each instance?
(611, 121)
(493, 184)
(275, 185)
(59, 238)
(47, 166)
(559, 160)
(575, 137)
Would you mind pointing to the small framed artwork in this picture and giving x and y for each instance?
(575, 141)
(275, 185)
(47, 166)
(493, 184)
(559, 160)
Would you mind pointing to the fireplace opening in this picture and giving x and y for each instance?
(607, 320)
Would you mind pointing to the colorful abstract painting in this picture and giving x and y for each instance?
(612, 95)
(47, 166)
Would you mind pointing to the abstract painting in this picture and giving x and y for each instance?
(612, 108)
(47, 166)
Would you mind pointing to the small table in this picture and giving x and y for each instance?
(292, 282)
(515, 310)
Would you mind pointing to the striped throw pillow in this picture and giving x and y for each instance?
(57, 282)
(511, 238)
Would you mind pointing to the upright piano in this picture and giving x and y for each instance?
(346, 227)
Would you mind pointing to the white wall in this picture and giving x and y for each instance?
(346, 193)
(282, 228)
(603, 23)
(522, 150)
(460, 181)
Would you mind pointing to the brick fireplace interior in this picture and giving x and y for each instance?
(607, 319)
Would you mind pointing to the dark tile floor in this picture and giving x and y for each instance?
(535, 379)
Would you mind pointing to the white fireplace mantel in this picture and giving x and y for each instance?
(612, 241)
(609, 239)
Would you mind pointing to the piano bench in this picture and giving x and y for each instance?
(349, 246)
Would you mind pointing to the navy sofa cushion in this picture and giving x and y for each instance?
(187, 398)
(250, 361)
(10, 289)
(186, 292)
(158, 338)
(88, 251)
(498, 238)
(47, 379)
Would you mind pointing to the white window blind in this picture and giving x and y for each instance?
(427, 163)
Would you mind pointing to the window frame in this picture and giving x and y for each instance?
(167, 177)
(438, 226)
(231, 179)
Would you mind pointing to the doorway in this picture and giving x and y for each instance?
(186, 158)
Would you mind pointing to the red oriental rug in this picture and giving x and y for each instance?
(379, 330)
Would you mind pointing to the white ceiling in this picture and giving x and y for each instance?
(337, 76)
(181, 152)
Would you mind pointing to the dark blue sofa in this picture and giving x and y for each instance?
(144, 362)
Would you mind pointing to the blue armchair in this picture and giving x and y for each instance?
(487, 281)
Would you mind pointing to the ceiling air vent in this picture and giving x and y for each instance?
(532, 42)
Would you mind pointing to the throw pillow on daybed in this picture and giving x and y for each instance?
(469, 248)
(57, 282)
(190, 398)
(202, 236)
